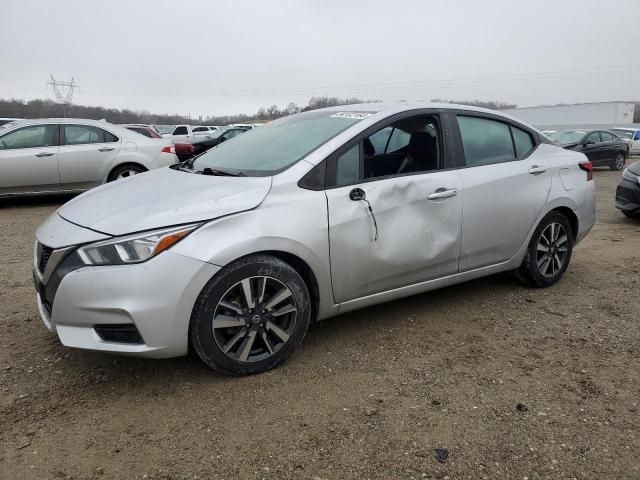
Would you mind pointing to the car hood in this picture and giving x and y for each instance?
(634, 168)
(161, 198)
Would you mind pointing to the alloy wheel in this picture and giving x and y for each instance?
(619, 162)
(552, 250)
(254, 319)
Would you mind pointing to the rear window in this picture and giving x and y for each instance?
(523, 141)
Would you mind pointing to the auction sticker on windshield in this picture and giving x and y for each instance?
(352, 115)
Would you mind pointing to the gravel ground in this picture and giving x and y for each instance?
(370, 394)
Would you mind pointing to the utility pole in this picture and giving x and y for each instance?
(63, 92)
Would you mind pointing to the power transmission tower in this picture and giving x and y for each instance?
(63, 91)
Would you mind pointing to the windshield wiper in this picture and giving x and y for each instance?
(220, 173)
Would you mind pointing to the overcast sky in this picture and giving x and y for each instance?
(215, 57)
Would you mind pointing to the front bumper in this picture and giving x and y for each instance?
(628, 196)
(154, 298)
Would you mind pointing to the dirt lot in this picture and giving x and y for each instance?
(369, 395)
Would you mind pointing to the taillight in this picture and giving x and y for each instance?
(171, 149)
(191, 149)
(587, 167)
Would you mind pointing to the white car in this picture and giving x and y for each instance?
(64, 155)
(631, 136)
(190, 134)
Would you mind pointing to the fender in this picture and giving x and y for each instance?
(304, 218)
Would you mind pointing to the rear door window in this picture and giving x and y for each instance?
(593, 137)
(606, 136)
(485, 141)
(86, 134)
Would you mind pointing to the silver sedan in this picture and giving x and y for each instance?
(235, 253)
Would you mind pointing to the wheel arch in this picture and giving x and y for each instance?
(305, 271)
(571, 216)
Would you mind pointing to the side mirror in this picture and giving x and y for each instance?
(222, 139)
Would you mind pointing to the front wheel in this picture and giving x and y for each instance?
(251, 316)
(618, 163)
(548, 253)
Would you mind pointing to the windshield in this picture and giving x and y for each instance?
(274, 147)
(567, 136)
(163, 129)
(623, 133)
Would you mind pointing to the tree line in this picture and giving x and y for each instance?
(38, 108)
(50, 109)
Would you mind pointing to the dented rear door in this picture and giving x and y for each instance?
(417, 238)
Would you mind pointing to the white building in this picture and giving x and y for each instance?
(581, 115)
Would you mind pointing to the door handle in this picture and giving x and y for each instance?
(44, 154)
(106, 149)
(537, 169)
(441, 193)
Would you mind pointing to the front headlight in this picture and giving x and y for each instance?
(133, 248)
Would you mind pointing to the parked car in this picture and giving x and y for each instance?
(189, 134)
(142, 129)
(236, 252)
(631, 136)
(245, 126)
(219, 137)
(600, 146)
(628, 191)
(5, 120)
(183, 151)
(71, 155)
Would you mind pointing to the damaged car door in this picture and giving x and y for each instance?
(394, 214)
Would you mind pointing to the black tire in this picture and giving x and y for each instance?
(617, 164)
(530, 272)
(208, 342)
(122, 170)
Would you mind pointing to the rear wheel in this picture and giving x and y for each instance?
(549, 252)
(251, 316)
(618, 163)
(125, 171)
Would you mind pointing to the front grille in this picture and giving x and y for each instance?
(44, 253)
(119, 333)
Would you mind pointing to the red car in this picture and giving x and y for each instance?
(183, 150)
